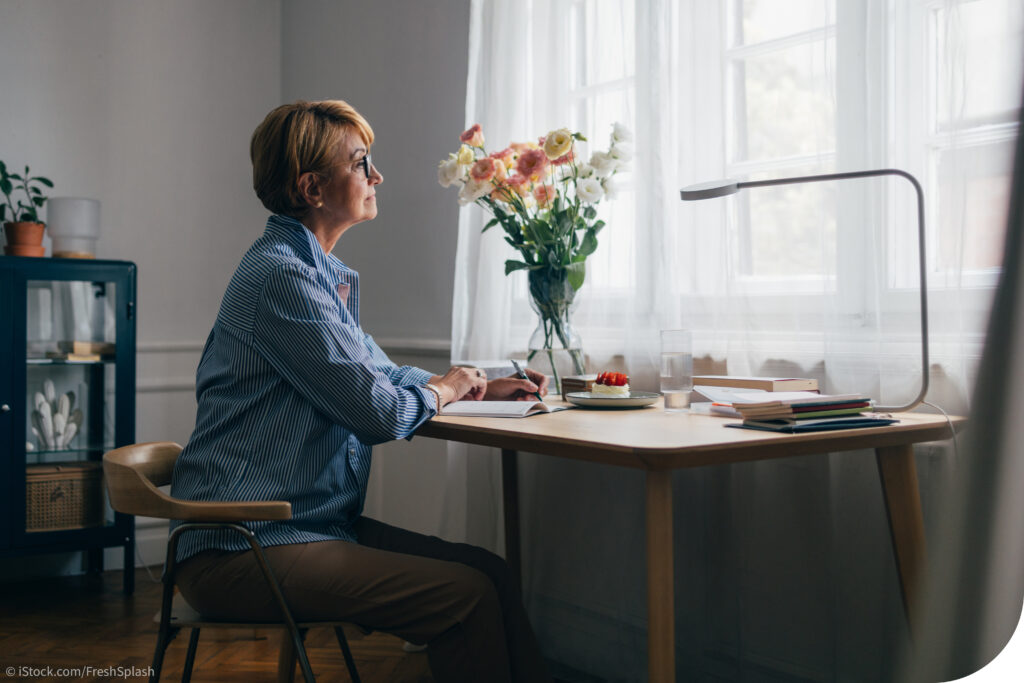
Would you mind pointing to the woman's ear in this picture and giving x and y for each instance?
(311, 189)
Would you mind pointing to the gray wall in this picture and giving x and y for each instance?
(403, 66)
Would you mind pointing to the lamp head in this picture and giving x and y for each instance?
(709, 190)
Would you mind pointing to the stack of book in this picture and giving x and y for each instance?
(572, 383)
(805, 411)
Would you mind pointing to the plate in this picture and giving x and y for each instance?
(589, 399)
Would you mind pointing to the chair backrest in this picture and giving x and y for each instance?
(134, 472)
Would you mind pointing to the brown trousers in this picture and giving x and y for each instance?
(458, 599)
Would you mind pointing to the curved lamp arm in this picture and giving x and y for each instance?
(722, 188)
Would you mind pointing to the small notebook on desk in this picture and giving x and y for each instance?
(500, 408)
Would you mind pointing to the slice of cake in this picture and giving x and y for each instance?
(611, 384)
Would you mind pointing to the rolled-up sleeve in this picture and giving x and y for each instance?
(400, 375)
(300, 332)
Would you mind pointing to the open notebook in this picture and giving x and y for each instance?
(500, 408)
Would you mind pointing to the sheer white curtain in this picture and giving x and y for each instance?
(813, 280)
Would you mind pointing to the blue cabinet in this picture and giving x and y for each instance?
(67, 395)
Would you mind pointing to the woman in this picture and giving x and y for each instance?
(292, 395)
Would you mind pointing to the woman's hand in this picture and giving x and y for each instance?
(461, 384)
(515, 388)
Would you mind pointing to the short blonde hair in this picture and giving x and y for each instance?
(299, 138)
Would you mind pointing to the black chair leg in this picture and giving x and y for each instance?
(163, 639)
(298, 635)
(349, 662)
(190, 657)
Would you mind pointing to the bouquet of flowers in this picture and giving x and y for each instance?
(543, 196)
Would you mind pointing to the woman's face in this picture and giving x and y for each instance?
(349, 195)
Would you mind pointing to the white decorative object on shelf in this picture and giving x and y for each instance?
(74, 226)
(55, 420)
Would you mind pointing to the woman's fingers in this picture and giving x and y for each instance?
(540, 379)
(466, 383)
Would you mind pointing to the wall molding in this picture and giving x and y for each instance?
(418, 346)
(149, 385)
(169, 347)
(398, 346)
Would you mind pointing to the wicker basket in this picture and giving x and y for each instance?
(66, 495)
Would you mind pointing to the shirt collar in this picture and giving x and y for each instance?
(298, 236)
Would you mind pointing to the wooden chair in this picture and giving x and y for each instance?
(133, 474)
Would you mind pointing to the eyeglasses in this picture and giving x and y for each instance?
(366, 163)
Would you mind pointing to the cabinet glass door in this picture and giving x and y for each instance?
(70, 373)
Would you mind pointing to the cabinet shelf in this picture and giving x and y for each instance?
(64, 361)
(69, 451)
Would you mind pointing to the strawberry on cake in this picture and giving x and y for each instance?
(611, 384)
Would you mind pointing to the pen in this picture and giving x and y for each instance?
(523, 375)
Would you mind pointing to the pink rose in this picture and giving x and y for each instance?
(532, 164)
(519, 147)
(545, 195)
(520, 184)
(507, 156)
(474, 137)
(484, 169)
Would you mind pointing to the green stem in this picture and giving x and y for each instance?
(554, 370)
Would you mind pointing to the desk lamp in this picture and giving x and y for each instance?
(722, 188)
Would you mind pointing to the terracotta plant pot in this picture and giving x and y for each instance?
(24, 238)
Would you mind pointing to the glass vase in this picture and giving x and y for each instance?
(555, 347)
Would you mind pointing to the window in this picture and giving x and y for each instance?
(602, 90)
(781, 104)
(770, 88)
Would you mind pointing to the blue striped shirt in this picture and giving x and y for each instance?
(292, 394)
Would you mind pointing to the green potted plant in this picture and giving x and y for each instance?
(24, 231)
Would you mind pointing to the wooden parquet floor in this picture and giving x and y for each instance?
(86, 622)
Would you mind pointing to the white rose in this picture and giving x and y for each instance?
(620, 133)
(474, 190)
(589, 190)
(450, 172)
(604, 164)
(612, 187)
(622, 151)
(584, 171)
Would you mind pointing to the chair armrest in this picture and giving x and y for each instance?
(229, 511)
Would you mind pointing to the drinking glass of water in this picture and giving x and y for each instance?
(676, 369)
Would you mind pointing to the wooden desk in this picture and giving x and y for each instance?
(659, 442)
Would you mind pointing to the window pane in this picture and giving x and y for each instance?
(784, 103)
(982, 38)
(788, 231)
(755, 21)
(595, 115)
(973, 196)
(604, 29)
(612, 265)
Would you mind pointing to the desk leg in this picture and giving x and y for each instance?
(906, 523)
(510, 492)
(661, 662)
